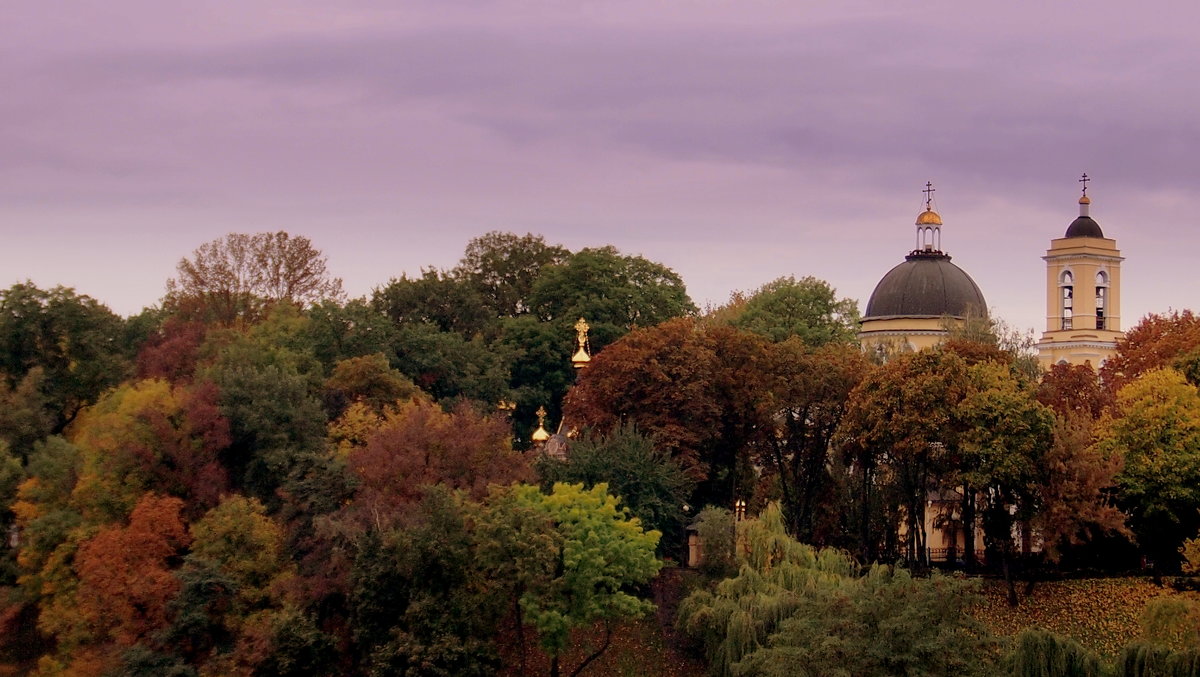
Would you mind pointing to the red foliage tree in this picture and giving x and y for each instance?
(421, 445)
(1073, 389)
(172, 353)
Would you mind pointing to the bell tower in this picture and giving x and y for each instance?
(1083, 293)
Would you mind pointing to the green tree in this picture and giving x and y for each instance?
(614, 292)
(649, 483)
(807, 308)
(1006, 433)
(354, 329)
(601, 553)
(1154, 426)
(25, 413)
(247, 547)
(741, 613)
(809, 391)
(369, 380)
(504, 267)
(442, 300)
(448, 366)
(419, 600)
(1038, 653)
(73, 339)
(795, 610)
(11, 476)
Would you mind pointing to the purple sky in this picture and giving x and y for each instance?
(733, 141)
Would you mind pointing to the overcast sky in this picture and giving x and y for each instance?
(734, 141)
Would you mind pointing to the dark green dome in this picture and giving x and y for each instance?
(1084, 226)
(925, 285)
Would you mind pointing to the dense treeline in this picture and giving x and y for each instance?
(262, 477)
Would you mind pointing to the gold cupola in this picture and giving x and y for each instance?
(581, 357)
(540, 435)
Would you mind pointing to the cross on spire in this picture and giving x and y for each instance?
(1084, 181)
(929, 190)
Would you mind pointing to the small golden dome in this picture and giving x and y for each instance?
(929, 218)
(581, 358)
(1085, 200)
(540, 435)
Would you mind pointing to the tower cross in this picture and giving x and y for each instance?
(929, 190)
(1084, 181)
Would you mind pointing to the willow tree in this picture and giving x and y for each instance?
(796, 610)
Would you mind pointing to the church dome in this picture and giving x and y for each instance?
(927, 284)
(1084, 226)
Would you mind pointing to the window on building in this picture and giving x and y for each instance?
(1067, 284)
(1101, 293)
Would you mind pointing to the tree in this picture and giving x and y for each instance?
(615, 293)
(125, 578)
(73, 339)
(504, 267)
(1005, 436)
(247, 548)
(149, 436)
(1039, 653)
(900, 425)
(1154, 343)
(266, 392)
(337, 332)
(368, 380)
(172, 351)
(809, 391)
(653, 379)
(11, 476)
(807, 308)
(1154, 426)
(448, 366)
(441, 300)
(646, 480)
(240, 275)
(1073, 389)
(539, 368)
(420, 445)
(420, 602)
(1075, 488)
(25, 414)
(600, 553)
(793, 609)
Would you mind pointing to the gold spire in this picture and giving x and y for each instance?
(540, 435)
(929, 217)
(581, 357)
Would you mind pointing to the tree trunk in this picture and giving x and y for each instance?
(520, 627)
(968, 521)
(1013, 600)
(602, 649)
(554, 665)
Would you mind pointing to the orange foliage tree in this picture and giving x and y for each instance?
(1154, 343)
(125, 572)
